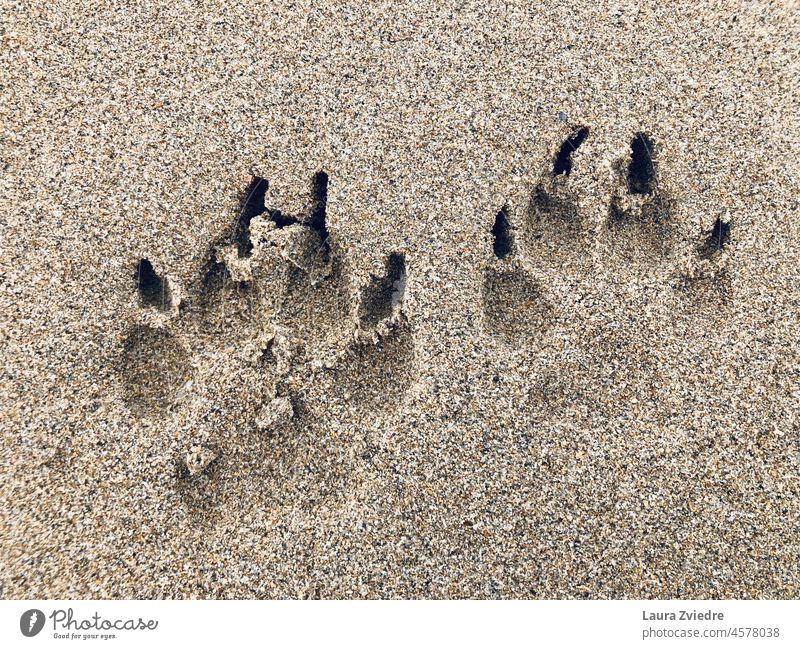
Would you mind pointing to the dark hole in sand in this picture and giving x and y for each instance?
(641, 170)
(384, 293)
(252, 204)
(318, 210)
(717, 239)
(153, 290)
(280, 219)
(563, 163)
(501, 231)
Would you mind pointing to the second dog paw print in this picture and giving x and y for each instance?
(585, 218)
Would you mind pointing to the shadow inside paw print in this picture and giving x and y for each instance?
(269, 344)
(155, 367)
(515, 304)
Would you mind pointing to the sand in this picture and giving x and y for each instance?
(419, 300)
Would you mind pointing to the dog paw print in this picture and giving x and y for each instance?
(639, 226)
(274, 339)
(544, 253)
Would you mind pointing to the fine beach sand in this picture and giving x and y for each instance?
(419, 300)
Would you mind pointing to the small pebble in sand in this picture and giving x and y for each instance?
(198, 459)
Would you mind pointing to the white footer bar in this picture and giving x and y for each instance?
(372, 624)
